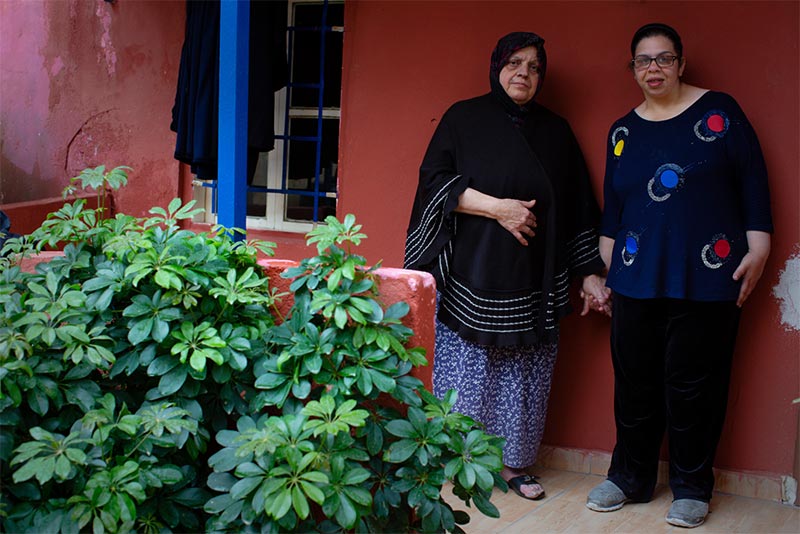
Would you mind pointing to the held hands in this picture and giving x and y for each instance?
(751, 267)
(596, 296)
(516, 217)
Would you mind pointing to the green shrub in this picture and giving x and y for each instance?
(145, 386)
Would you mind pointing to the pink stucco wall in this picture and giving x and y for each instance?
(85, 83)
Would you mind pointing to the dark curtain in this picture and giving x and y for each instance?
(196, 110)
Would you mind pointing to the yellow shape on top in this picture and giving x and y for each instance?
(618, 147)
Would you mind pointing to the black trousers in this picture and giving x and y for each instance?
(672, 363)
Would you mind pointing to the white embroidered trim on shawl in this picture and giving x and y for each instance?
(423, 236)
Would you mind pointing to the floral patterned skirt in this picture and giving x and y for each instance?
(505, 388)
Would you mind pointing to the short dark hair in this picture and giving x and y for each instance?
(656, 28)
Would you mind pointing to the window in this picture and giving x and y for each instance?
(295, 184)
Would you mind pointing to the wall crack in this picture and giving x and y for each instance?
(78, 132)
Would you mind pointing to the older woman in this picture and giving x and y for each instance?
(503, 217)
(686, 232)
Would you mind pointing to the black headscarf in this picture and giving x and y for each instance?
(505, 47)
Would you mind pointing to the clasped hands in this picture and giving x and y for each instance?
(596, 296)
(516, 217)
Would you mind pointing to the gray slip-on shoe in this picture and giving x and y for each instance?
(687, 513)
(605, 497)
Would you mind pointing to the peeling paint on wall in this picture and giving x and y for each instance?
(55, 66)
(106, 46)
(787, 292)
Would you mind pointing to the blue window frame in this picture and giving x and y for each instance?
(232, 165)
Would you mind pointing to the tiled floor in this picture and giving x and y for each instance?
(564, 510)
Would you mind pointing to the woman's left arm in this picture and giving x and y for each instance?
(745, 151)
(751, 267)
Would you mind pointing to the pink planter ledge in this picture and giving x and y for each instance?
(28, 265)
(28, 216)
(416, 288)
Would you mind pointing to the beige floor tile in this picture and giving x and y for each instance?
(581, 519)
(582, 487)
(556, 482)
(743, 514)
(564, 511)
(792, 523)
(644, 523)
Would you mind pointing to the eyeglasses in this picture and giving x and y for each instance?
(662, 60)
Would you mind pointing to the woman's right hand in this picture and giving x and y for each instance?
(516, 217)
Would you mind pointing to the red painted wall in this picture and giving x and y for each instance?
(85, 83)
(406, 62)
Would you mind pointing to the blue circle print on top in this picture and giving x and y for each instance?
(630, 249)
(668, 179)
(631, 245)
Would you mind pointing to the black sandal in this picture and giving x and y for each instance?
(517, 482)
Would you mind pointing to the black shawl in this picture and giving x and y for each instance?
(493, 290)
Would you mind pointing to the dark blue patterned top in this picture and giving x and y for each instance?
(679, 196)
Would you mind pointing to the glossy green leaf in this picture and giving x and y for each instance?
(172, 381)
(400, 451)
(401, 428)
(140, 330)
(346, 514)
(224, 460)
(300, 503)
(340, 317)
(244, 487)
(218, 504)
